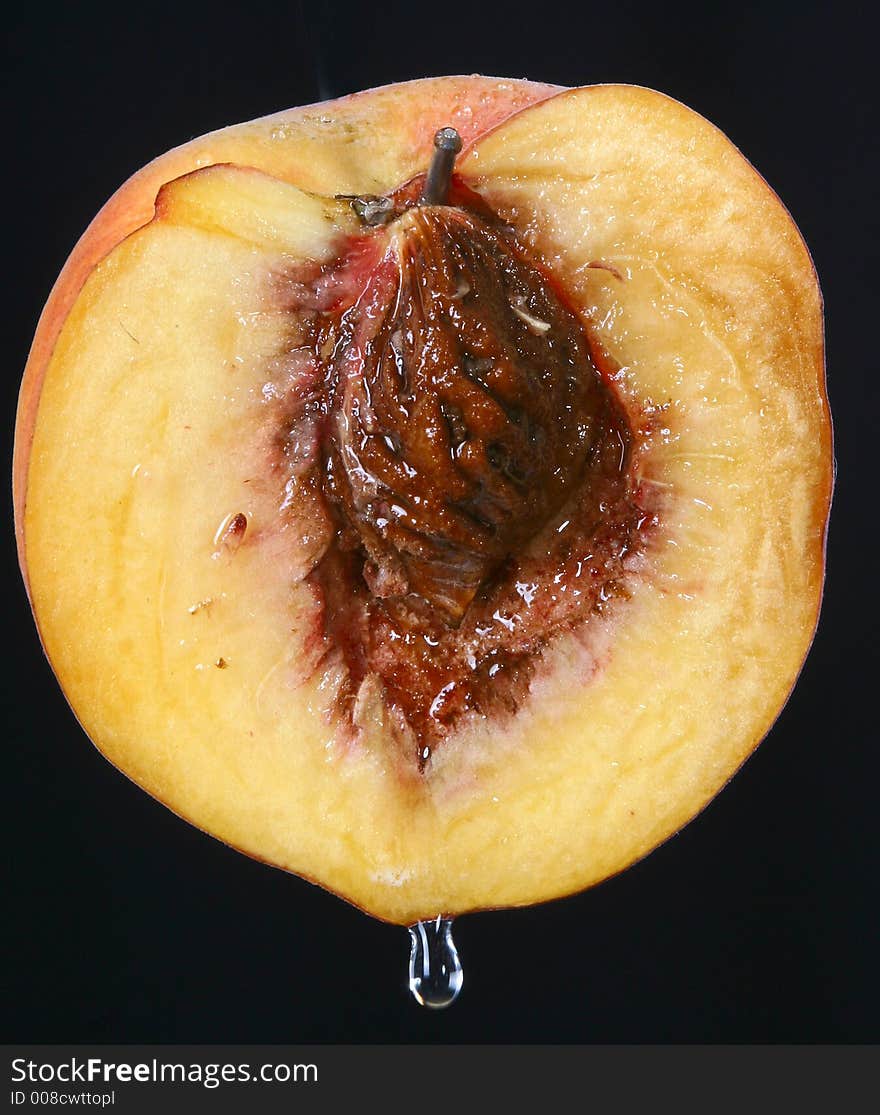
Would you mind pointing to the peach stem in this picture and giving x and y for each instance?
(447, 144)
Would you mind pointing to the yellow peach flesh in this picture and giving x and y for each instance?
(186, 657)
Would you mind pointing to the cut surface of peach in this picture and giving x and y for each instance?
(433, 692)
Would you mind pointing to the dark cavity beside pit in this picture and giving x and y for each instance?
(466, 465)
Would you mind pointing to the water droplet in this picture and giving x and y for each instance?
(435, 975)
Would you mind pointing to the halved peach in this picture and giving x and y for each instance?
(454, 552)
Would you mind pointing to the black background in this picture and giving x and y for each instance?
(758, 923)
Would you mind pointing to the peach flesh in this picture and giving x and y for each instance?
(713, 342)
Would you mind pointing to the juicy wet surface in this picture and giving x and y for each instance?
(464, 467)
